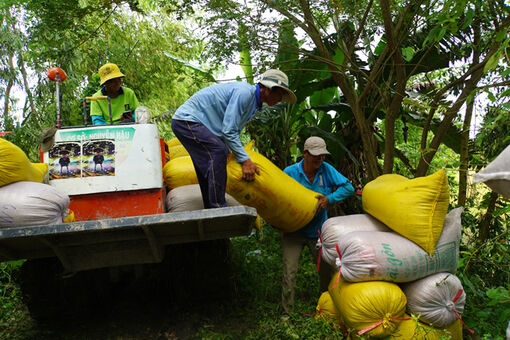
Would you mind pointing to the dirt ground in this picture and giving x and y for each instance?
(139, 315)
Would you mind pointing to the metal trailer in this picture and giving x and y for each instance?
(74, 269)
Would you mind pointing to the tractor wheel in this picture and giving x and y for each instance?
(52, 297)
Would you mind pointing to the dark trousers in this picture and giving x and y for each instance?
(209, 156)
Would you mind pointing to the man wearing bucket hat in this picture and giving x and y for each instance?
(331, 186)
(208, 126)
(123, 100)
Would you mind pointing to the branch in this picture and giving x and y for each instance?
(358, 31)
(435, 101)
(287, 14)
(503, 83)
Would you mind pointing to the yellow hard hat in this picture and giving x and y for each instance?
(109, 71)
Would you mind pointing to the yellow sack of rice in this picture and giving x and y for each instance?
(15, 166)
(415, 208)
(326, 309)
(179, 171)
(413, 329)
(273, 193)
(173, 142)
(373, 308)
(177, 151)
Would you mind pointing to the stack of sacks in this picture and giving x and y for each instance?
(179, 169)
(30, 203)
(407, 328)
(497, 174)
(367, 252)
(15, 166)
(24, 200)
(273, 193)
(388, 256)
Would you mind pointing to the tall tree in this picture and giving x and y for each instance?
(371, 50)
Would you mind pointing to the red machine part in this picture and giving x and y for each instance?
(117, 204)
(52, 74)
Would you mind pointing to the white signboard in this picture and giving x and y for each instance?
(105, 158)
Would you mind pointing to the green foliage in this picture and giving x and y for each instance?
(485, 271)
(87, 34)
(14, 320)
(275, 130)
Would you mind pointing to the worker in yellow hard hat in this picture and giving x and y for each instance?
(123, 100)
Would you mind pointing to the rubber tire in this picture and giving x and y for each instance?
(50, 297)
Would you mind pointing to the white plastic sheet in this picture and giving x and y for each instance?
(497, 174)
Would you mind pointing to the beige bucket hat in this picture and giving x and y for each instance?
(272, 78)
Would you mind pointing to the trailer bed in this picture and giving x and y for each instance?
(122, 241)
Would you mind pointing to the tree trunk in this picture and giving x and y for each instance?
(464, 155)
(464, 139)
(395, 104)
(21, 64)
(487, 219)
(452, 112)
(7, 97)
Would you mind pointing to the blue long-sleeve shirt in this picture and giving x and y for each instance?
(326, 180)
(224, 109)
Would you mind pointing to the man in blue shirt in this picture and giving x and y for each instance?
(319, 176)
(209, 123)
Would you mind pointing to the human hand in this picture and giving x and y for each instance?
(249, 170)
(322, 203)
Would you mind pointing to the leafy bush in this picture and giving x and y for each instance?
(14, 320)
(484, 269)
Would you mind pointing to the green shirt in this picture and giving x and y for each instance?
(125, 101)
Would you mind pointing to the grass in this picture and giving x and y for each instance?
(253, 313)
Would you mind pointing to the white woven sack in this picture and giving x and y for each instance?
(335, 228)
(388, 256)
(438, 299)
(30, 203)
(497, 174)
(189, 197)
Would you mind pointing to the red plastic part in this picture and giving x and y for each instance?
(117, 204)
(52, 74)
